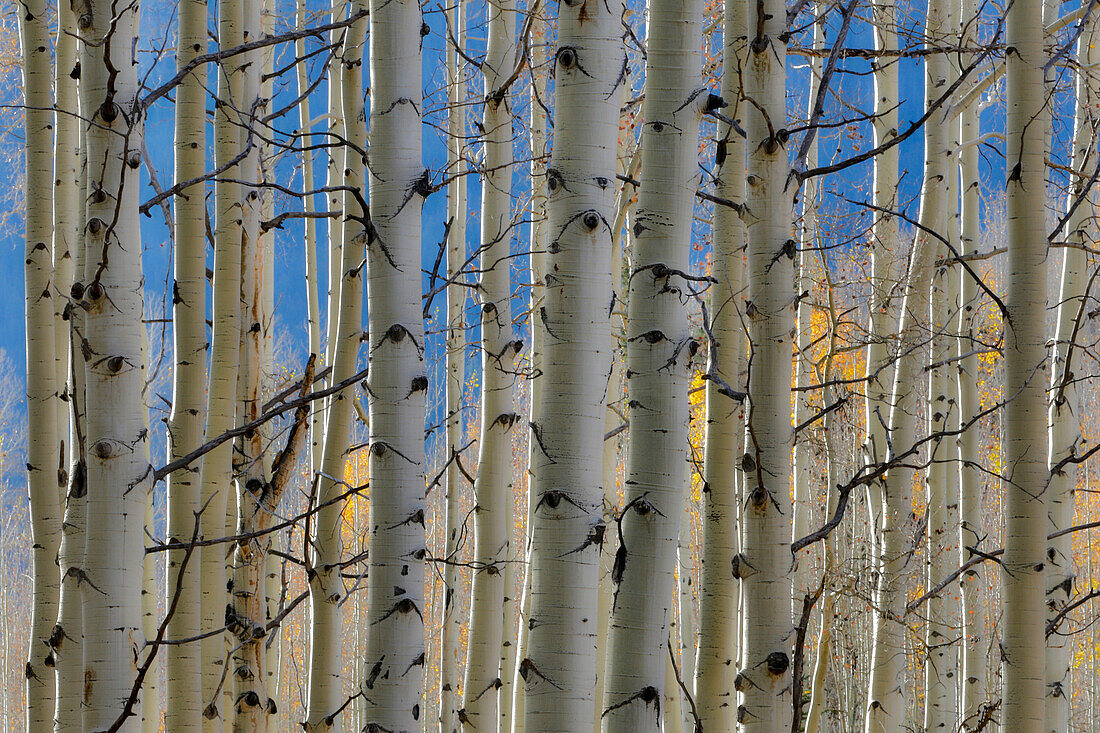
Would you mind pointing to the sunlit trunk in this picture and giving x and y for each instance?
(492, 517)
(392, 679)
(566, 498)
(719, 591)
(117, 452)
(765, 563)
(225, 346)
(42, 385)
(452, 619)
(658, 348)
(185, 424)
(1066, 439)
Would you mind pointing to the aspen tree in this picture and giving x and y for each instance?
(257, 494)
(65, 640)
(719, 633)
(493, 484)
(326, 586)
(151, 693)
(616, 420)
(566, 498)
(804, 371)
(1065, 403)
(185, 423)
(886, 701)
(335, 178)
(809, 254)
(971, 531)
(111, 296)
(1026, 473)
(884, 250)
(833, 469)
(684, 635)
(539, 243)
(452, 618)
(42, 387)
(313, 306)
(66, 204)
(392, 679)
(217, 469)
(941, 414)
(658, 349)
(765, 562)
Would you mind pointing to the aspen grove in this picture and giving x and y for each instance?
(517, 366)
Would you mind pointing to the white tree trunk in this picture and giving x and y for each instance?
(886, 697)
(942, 414)
(117, 455)
(973, 670)
(493, 484)
(42, 387)
(1065, 406)
(567, 437)
(451, 672)
(326, 695)
(313, 306)
(392, 678)
(185, 424)
(765, 564)
(719, 591)
(659, 346)
(539, 242)
(1026, 472)
(65, 640)
(221, 397)
(884, 252)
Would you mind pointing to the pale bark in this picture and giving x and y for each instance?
(658, 349)
(255, 496)
(942, 414)
(804, 363)
(65, 641)
(392, 678)
(217, 465)
(539, 242)
(151, 693)
(833, 469)
(765, 563)
(42, 386)
(615, 410)
(451, 672)
(326, 587)
(684, 633)
(719, 591)
(971, 532)
(884, 251)
(66, 204)
(1066, 438)
(1025, 465)
(313, 306)
(493, 484)
(117, 457)
(886, 697)
(185, 424)
(567, 437)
